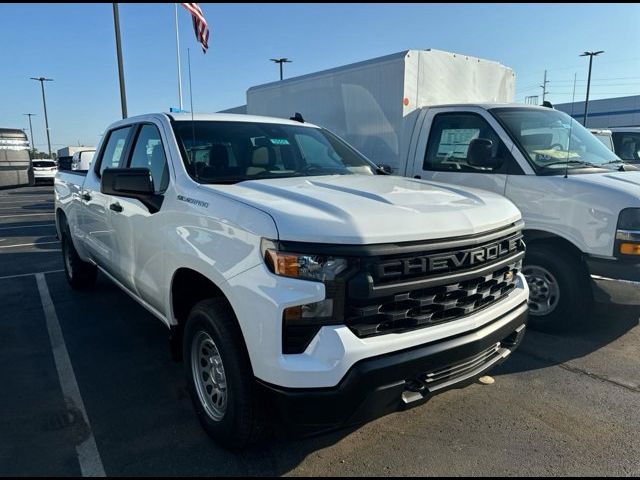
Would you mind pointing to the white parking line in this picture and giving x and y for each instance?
(29, 274)
(88, 455)
(29, 226)
(28, 244)
(26, 215)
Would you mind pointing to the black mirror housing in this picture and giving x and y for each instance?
(131, 183)
(479, 154)
(384, 168)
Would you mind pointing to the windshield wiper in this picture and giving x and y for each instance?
(574, 162)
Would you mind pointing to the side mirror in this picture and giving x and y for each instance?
(479, 154)
(131, 183)
(64, 163)
(384, 168)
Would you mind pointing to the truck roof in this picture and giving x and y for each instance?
(235, 117)
(488, 106)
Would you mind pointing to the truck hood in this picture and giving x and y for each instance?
(360, 209)
(628, 182)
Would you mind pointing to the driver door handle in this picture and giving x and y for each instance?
(417, 176)
(116, 207)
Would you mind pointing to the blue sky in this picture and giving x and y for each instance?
(74, 44)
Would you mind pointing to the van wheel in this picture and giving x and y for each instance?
(219, 376)
(559, 293)
(81, 275)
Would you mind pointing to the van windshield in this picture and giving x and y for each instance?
(553, 141)
(230, 152)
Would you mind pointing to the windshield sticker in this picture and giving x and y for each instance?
(280, 141)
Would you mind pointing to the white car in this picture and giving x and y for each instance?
(44, 170)
(297, 280)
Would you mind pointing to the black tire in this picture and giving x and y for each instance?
(574, 292)
(243, 421)
(80, 275)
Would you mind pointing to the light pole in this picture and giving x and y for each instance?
(280, 61)
(44, 102)
(586, 102)
(33, 145)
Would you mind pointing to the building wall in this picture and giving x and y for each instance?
(607, 112)
(240, 109)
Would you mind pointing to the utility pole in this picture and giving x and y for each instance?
(586, 102)
(544, 87)
(33, 145)
(44, 103)
(281, 61)
(123, 94)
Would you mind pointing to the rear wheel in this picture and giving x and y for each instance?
(81, 275)
(219, 376)
(559, 291)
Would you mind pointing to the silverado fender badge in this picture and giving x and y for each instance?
(193, 201)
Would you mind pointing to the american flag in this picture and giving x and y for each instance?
(199, 24)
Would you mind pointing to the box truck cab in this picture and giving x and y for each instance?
(451, 118)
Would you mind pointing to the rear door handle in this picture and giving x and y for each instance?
(116, 207)
(85, 196)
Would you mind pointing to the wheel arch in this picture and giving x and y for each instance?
(188, 287)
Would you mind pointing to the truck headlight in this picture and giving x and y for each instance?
(301, 323)
(319, 268)
(628, 232)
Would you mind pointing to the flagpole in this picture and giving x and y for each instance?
(123, 95)
(178, 56)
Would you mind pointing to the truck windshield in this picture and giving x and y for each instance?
(553, 141)
(230, 152)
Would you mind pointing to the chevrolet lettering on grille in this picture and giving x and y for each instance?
(449, 261)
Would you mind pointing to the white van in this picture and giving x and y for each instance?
(81, 160)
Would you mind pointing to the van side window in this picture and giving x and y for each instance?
(449, 139)
(114, 149)
(148, 152)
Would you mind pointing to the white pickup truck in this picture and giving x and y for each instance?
(451, 118)
(297, 280)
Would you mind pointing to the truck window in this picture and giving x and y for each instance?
(627, 145)
(148, 152)
(112, 152)
(449, 141)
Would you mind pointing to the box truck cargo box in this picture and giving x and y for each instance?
(367, 102)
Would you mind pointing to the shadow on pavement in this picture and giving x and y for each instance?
(605, 326)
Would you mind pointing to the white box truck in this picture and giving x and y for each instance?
(367, 103)
(450, 118)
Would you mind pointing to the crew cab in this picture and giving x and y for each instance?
(296, 279)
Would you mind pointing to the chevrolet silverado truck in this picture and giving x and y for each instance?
(297, 280)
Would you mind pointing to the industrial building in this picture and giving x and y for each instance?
(606, 112)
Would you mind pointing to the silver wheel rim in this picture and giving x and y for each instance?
(208, 375)
(544, 291)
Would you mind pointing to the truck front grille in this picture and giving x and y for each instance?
(430, 306)
(397, 293)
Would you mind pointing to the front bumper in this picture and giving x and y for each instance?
(383, 384)
(615, 281)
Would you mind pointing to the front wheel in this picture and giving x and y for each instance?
(559, 293)
(219, 376)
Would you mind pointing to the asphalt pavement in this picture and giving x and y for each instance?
(565, 404)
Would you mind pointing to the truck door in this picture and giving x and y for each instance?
(139, 244)
(93, 216)
(443, 152)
